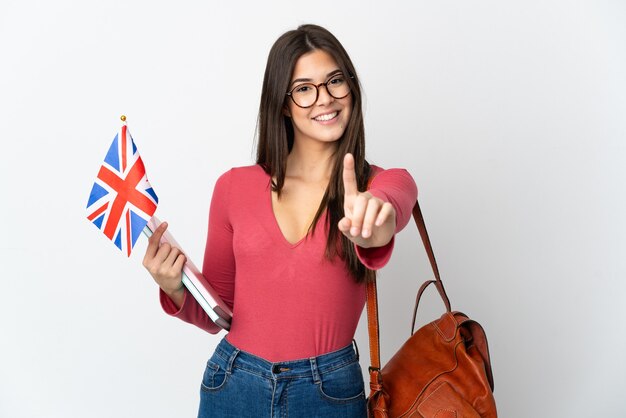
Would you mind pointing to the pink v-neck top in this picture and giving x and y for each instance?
(289, 302)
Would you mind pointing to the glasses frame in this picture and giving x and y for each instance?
(317, 90)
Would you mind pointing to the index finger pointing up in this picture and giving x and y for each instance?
(349, 176)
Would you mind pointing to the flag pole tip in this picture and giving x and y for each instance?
(123, 118)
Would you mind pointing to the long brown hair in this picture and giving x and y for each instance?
(276, 134)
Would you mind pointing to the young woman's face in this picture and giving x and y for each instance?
(328, 116)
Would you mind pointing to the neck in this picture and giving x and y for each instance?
(311, 162)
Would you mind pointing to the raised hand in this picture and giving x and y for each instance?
(165, 265)
(368, 221)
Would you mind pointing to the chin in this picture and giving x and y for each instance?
(331, 138)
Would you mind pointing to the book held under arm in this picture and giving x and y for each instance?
(195, 282)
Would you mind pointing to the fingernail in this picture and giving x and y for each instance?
(354, 231)
(366, 233)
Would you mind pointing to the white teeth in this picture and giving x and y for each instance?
(326, 117)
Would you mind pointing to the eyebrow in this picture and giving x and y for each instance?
(309, 80)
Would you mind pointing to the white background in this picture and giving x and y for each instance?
(509, 115)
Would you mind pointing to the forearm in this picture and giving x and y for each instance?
(177, 296)
(397, 187)
(180, 304)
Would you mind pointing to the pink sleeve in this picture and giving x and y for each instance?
(219, 262)
(397, 187)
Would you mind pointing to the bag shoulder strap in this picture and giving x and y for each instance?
(372, 302)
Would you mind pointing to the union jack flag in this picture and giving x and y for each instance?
(122, 201)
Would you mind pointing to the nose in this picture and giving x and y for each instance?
(323, 96)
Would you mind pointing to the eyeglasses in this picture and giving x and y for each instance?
(305, 95)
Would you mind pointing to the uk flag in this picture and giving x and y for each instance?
(122, 201)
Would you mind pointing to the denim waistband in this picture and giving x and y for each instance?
(311, 366)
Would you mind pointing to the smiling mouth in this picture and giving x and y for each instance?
(326, 117)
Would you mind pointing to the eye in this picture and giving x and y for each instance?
(303, 88)
(337, 80)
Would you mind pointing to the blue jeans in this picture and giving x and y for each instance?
(238, 384)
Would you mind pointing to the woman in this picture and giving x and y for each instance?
(291, 243)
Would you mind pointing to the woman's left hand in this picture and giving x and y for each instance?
(368, 221)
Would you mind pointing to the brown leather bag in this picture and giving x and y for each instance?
(442, 371)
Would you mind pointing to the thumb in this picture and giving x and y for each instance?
(349, 176)
(155, 239)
